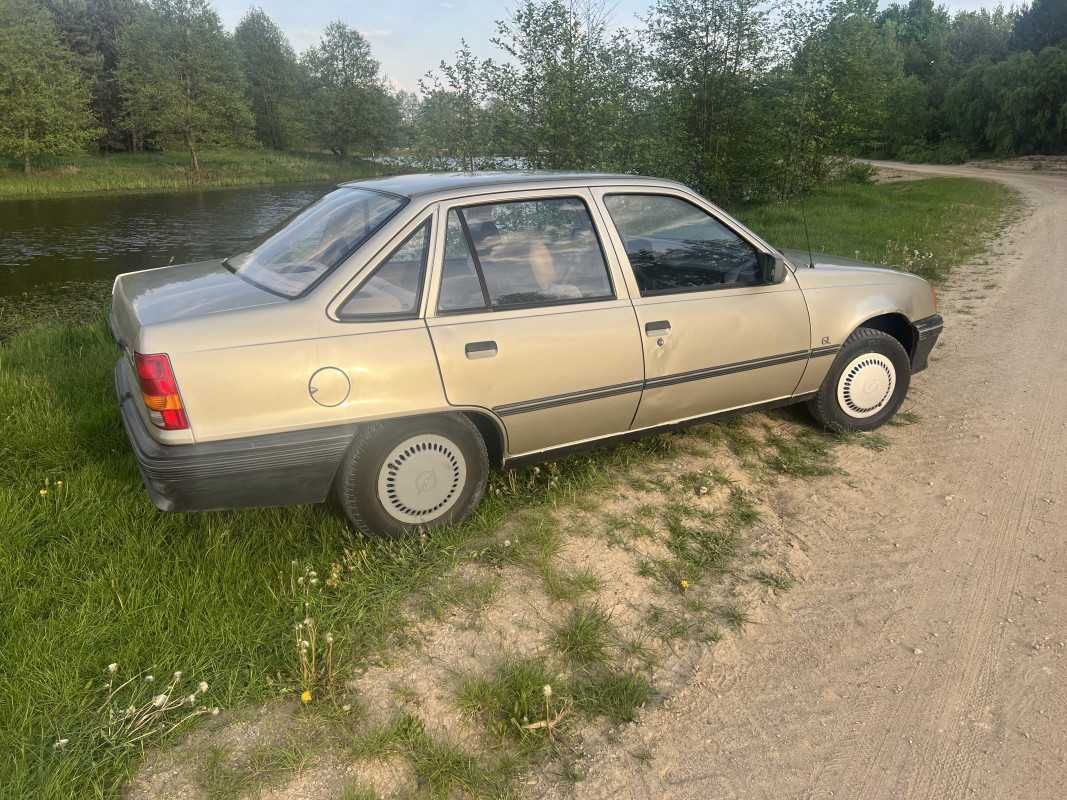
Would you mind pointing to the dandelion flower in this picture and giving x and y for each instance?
(59, 483)
(305, 697)
(202, 687)
(507, 543)
(684, 584)
(329, 638)
(131, 710)
(547, 690)
(149, 678)
(215, 711)
(159, 701)
(191, 699)
(112, 668)
(178, 675)
(44, 492)
(60, 744)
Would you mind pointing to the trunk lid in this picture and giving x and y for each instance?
(183, 291)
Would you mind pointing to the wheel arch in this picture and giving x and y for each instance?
(492, 432)
(895, 324)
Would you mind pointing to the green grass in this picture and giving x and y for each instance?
(584, 638)
(442, 769)
(91, 573)
(133, 172)
(925, 226)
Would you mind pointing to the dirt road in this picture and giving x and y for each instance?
(924, 655)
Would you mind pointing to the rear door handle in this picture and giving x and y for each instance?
(659, 328)
(480, 349)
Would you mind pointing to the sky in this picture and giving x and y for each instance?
(410, 37)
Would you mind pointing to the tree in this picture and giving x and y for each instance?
(553, 82)
(350, 105)
(272, 79)
(455, 117)
(91, 29)
(709, 59)
(1041, 25)
(179, 78)
(44, 99)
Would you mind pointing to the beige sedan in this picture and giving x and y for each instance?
(401, 336)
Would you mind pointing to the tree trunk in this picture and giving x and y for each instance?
(194, 161)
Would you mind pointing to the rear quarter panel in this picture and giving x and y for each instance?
(258, 383)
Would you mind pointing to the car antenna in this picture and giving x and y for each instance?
(807, 236)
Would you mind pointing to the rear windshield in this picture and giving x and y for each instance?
(316, 240)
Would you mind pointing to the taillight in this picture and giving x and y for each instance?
(160, 391)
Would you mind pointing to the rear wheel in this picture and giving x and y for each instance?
(413, 474)
(866, 384)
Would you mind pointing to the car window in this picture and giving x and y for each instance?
(674, 246)
(461, 289)
(316, 240)
(522, 253)
(394, 288)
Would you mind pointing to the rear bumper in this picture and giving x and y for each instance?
(272, 470)
(926, 332)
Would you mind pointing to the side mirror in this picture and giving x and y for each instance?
(773, 265)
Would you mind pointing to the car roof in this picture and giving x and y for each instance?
(461, 183)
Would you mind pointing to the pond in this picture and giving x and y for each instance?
(45, 243)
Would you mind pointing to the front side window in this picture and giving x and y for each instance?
(674, 246)
(522, 253)
(394, 288)
(316, 240)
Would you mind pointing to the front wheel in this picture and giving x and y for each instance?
(413, 474)
(866, 384)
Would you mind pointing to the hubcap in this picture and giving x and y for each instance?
(421, 478)
(866, 385)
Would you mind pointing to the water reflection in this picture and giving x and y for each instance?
(46, 242)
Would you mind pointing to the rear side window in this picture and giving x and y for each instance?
(522, 253)
(393, 290)
(674, 246)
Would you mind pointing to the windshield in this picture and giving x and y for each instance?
(316, 240)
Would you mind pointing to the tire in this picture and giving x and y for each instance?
(412, 474)
(865, 385)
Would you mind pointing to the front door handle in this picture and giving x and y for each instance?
(480, 349)
(659, 328)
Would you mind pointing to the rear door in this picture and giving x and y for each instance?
(531, 320)
(717, 332)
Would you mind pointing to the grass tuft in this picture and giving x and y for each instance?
(615, 695)
(777, 580)
(584, 638)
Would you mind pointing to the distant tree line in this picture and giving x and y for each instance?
(742, 99)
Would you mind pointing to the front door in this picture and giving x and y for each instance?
(531, 321)
(717, 332)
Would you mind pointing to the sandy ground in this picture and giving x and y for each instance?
(924, 655)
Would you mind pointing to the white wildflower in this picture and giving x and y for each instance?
(149, 678)
(329, 638)
(159, 701)
(60, 744)
(202, 687)
(547, 690)
(112, 668)
(215, 711)
(178, 675)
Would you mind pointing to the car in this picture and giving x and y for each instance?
(402, 336)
